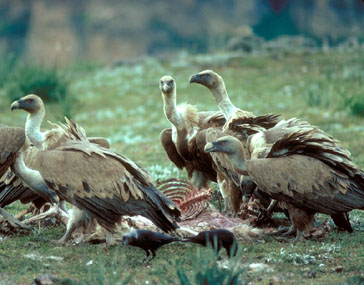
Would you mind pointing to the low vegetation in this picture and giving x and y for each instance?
(123, 103)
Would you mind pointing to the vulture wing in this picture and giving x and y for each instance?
(105, 184)
(170, 148)
(308, 183)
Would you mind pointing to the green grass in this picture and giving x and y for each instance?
(124, 104)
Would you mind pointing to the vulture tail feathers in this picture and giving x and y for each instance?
(167, 211)
(342, 221)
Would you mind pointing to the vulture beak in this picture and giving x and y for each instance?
(16, 105)
(165, 87)
(212, 147)
(195, 78)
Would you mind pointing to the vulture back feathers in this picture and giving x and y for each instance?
(102, 182)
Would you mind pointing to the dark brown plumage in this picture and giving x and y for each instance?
(307, 171)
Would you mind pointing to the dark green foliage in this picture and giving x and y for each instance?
(6, 66)
(48, 83)
(315, 96)
(207, 270)
(356, 105)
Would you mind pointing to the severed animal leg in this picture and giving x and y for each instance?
(30, 209)
(284, 231)
(13, 221)
(54, 211)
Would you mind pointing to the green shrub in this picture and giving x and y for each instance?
(206, 269)
(356, 104)
(7, 63)
(48, 83)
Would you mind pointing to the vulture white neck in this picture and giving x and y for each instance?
(238, 161)
(30, 176)
(32, 128)
(223, 101)
(170, 109)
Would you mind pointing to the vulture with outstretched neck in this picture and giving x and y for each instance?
(234, 116)
(97, 180)
(184, 142)
(306, 171)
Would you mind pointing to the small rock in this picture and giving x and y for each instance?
(45, 279)
(309, 274)
(31, 244)
(89, 263)
(275, 280)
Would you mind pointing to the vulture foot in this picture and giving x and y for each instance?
(299, 237)
(13, 221)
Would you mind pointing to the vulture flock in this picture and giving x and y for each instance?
(286, 164)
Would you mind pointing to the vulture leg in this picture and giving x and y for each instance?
(199, 180)
(110, 241)
(75, 220)
(221, 181)
(299, 237)
(13, 221)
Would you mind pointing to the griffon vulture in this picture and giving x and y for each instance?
(12, 144)
(306, 171)
(234, 117)
(97, 180)
(12, 188)
(185, 141)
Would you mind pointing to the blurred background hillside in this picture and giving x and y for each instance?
(61, 31)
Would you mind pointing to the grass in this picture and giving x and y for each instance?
(124, 104)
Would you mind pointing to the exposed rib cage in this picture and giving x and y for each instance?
(189, 199)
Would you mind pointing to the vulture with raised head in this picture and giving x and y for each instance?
(305, 170)
(184, 142)
(234, 183)
(97, 180)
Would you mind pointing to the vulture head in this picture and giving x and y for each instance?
(233, 148)
(207, 78)
(167, 85)
(226, 144)
(29, 103)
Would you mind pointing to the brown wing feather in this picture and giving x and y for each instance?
(11, 140)
(307, 183)
(170, 148)
(104, 183)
